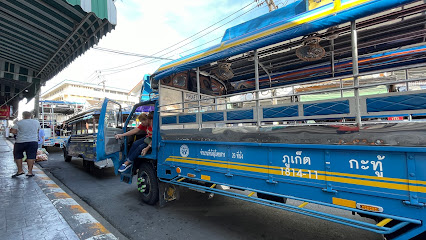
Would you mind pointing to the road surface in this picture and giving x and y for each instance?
(194, 216)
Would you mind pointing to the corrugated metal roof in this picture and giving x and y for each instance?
(40, 38)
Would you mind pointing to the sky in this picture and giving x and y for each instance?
(148, 27)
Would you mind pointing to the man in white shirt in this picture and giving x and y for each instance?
(26, 141)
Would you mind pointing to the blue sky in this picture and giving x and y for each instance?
(147, 27)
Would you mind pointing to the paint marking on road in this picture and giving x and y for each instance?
(64, 201)
(84, 218)
(102, 237)
(77, 209)
(99, 228)
(48, 182)
(49, 190)
(61, 195)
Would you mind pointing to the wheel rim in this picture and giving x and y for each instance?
(144, 183)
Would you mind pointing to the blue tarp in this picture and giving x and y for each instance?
(273, 28)
(265, 20)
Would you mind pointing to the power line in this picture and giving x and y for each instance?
(200, 45)
(139, 65)
(108, 69)
(128, 53)
(115, 70)
(207, 28)
(149, 62)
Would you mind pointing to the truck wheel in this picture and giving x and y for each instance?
(92, 168)
(148, 184)
(67, 158)
(86, 165)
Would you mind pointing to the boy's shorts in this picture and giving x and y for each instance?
(29, 147)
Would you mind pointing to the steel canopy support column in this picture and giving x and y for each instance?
(199, 99)
(36, 100)
(256, 78)
(42, 115)
(355, 71)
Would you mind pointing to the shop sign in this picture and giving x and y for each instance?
(4, 112)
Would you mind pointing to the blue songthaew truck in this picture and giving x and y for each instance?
(321, 102)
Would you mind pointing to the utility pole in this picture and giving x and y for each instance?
(103, 80)
(271, 5)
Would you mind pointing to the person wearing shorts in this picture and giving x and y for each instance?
(26, 141)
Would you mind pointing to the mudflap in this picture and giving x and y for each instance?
(127, 176)
(168, 192)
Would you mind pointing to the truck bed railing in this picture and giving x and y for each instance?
(377, 228)
(372, 106)
(215, 110)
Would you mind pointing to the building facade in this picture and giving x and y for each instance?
(74, 91)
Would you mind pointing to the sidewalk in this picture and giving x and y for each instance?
(29, 206)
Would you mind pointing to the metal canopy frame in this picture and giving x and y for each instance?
(407, 29)
(387, 31)
(400, 29)
(44, 37)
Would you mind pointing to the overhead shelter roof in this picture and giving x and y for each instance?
(40, 38)
(295, 20)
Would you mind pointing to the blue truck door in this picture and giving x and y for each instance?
(110, 124)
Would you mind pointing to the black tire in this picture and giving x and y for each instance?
(67, 158)
(92, 168)
(148, 177)
(86, 165)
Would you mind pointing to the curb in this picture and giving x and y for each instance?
(81, 222)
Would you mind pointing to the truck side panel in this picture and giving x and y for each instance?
(82, 146)
(339, 175)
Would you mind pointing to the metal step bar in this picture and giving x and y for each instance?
(377, 228)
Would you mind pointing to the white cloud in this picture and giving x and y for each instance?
(147, 27)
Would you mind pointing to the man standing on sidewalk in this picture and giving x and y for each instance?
(26, 141)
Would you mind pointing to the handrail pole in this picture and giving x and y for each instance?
(406, 78)
(199, 99)
(256, 76)
(355, 71)
(332, 57)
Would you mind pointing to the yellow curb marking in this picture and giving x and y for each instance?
(77, 208)
(44, 178)
(52, 185)
(100, 229)
(61, 195)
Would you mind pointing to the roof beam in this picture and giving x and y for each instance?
(21, 55)
(14, 31)
(32, 16)
(82, 45)
(23, 47)
(18, 61)
(65, 42)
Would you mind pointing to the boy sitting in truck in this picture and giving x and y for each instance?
(140, 146)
